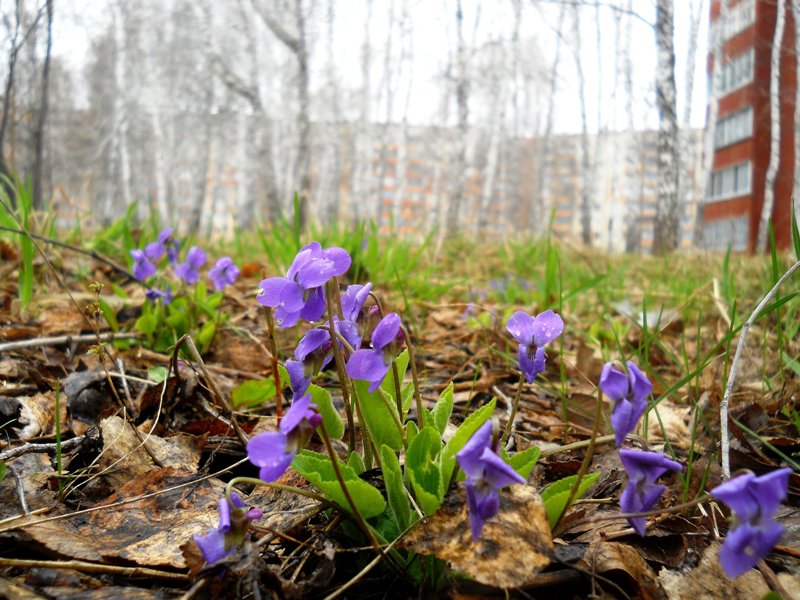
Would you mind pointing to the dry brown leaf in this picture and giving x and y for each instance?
(608, 557)
(514, 546)
(62, 319)
(126, 459)
(675, 419)
(708, 580)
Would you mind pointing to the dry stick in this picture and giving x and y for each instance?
(187, 339)
(273, 348)
(66, 446)
(89, 567)
(98, 257)
(64, 339)
(725, 449)
(587, 459)
(340, 369)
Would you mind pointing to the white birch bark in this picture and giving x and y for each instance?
(388, 93)
(120, 152)
(774, 128)
(668, 209)
(717, 31)
(456, 198)
(586, 159)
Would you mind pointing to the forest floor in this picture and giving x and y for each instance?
(115, 454)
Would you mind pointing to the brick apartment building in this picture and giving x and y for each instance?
(735, 195)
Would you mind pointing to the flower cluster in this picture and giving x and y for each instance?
(487, 473)
(642, 492)
(145, 266)
(372, 364)
(300, 294)
(754, 501)
(220, 541)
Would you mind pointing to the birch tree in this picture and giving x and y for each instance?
(41, 117)
(774, 127)
(586, 160)
(668, 209)
(462, 107)
(294, 37)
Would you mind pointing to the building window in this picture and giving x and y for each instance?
(740, 17)
(734, 128)
(730, 182)
(724, 233)
(737, 72)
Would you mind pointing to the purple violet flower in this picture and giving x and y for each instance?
(189, 271)
(219, 542)
(373, 364)
(165, 243)
(486, 474)
(754, 500)
(223, 273)
(154, 294)
(273, 451)
(629, 393)
(641, 491)
(299, 295)
(311, 355)
(533, 334)
(143, 268)
(356, 320)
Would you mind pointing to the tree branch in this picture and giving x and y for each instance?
(290, 41)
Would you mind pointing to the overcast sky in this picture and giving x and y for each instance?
(433, 35)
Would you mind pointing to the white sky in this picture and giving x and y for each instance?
(432, 27)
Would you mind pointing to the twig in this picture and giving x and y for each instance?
(20, 490)
(155, 356)
(66, 446)
(725, 448)
(98, 257)
(514, 406)
(89, 567)
(59, 340)
(187, 339)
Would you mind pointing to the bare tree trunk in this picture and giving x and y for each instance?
(462, 103)
(586, 163)
(538, 220)
(713, 111)
(665, 238)
(13, 54)
(389, 92)
(119, 142)
(774, 128)
(38, 200)
(363, 147)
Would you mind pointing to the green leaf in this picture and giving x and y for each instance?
(523, 462)
(2, 470)
(465, 431)
(411, 431)
(388, 383)
(318, 470)
(355, 462)
(443, 408)
(157, 374)
(395, 490)
(376, 407)
(330, 416)
(206, 334)
(423, 469)
(108, 314)
(146, 324)
(556, 495)
(252, 393)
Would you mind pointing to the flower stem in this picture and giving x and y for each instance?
(362, 524)
(273, 350)
(333, 287)
(514, 407)
(414, 375)
(276, 486)
(587, 459)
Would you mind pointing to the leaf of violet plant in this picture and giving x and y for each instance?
(556, 495)
(523, 462)
(318, 470)
(443, 408)
(330, 416)
(423, 469)
(395, 490)
(378, 408)
(470, 425)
